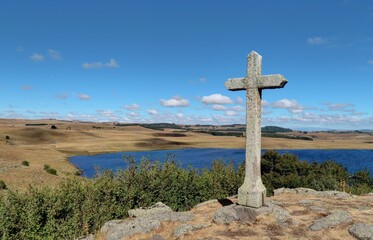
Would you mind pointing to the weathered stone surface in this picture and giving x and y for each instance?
(226, 215)
(361, 231)
(146, 220)
(335, 194)
(157, 208)
(157, 237)
(283, 217)
(253, 192)
(335, 218)
(187, 228)
(317, 209)
(117, 230)
(246, 214)
(306, 201)
(309, 191)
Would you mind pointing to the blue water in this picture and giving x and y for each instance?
(353, 160)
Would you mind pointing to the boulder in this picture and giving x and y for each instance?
(361, 231)
(335, 218)
(226, 215)
(157, 208)
(188, 228)
(144, 220)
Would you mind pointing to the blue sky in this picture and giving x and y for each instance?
(167, 61)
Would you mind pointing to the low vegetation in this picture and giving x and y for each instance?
(50, 170)
(80, 205)
(25, 163)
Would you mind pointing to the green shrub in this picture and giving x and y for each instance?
(2, 185)
(25, 163)
(50, 170)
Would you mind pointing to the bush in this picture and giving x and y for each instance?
(50, 170)
(2, 185)
(25, 163)
(7, 137)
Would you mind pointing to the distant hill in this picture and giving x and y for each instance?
(275, 129)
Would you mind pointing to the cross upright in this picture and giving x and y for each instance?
(252, 192)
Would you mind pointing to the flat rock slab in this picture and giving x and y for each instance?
(361, 231)
(309, 191)
(335, 218)
(188, 228)
(232, 213)
(147, 220)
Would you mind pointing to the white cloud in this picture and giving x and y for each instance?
(370, 62)
(133, 114)
(37, 57)
(202, 80)
(238, 108)
(54, 54)
(179, 115)
(111, 64)
(175, 102)
(230, 113)
(132, 107)
(152, 111)
(62, 96)
(344, 107)
(291, 105)
(216, 99)
(265, 103)
(239, 100)
(219, 107)
(316, 40)
(82, 96)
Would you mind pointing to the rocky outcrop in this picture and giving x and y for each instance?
(143, 221)
(361, 231)
(335, 218)
(232, 213)
(308, 191)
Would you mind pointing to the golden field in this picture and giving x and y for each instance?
(40, 145)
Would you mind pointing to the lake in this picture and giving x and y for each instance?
(353, 160)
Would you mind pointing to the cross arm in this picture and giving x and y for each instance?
(271, 81)
(235, 84)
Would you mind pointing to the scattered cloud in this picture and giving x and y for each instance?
(175, 102)
(291, 105)
(179, 115)
(133, 114)
(26, 88)
(218, 107)
(239, 100)
(202, 80)
(132, 107)
(370, 62)
(343, 107)
(152, 111)
(230, 113)
(265, 103)
(62, 96)
(316, 40)
(111, 64)
(82, 96)
(19, 49)
(238, 108)
(54, 54)
(216, 99)
(37, 57)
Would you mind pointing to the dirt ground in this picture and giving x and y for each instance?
(40, 145)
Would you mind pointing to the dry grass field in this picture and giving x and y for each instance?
(40, 145)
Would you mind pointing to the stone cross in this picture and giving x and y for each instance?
(252, 192)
